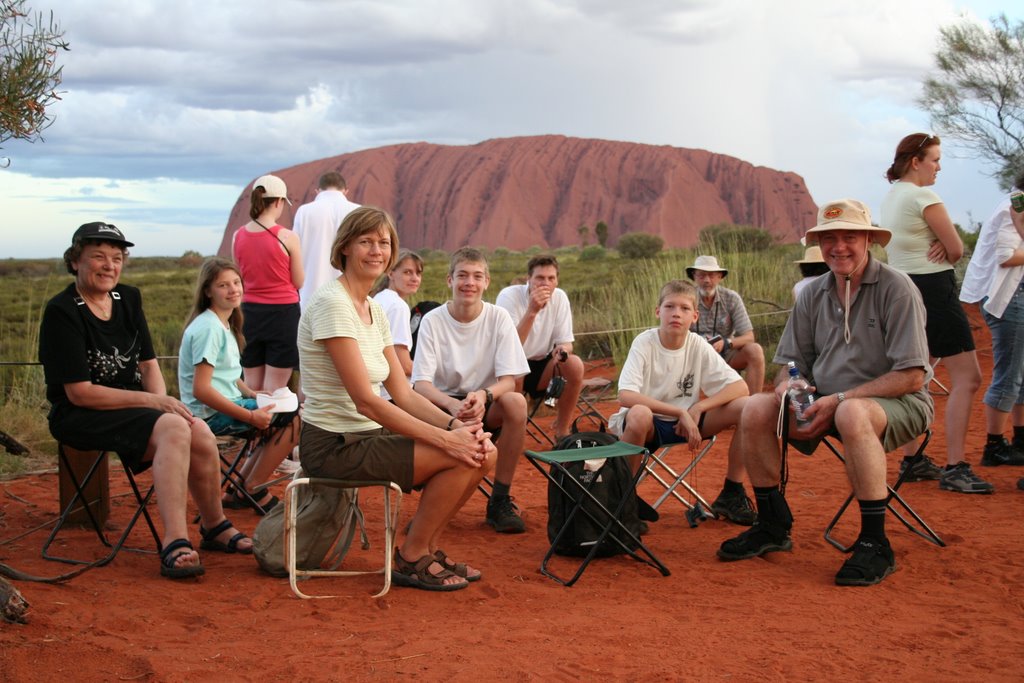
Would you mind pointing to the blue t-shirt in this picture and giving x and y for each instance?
(208, 340)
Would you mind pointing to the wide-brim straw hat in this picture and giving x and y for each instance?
(847, 214)
(811, 255)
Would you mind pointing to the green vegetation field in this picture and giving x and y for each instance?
(613, 298)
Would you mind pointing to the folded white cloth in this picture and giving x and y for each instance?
(284, 400)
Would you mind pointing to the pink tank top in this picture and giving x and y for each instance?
(266, 268)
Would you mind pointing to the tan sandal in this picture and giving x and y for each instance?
(457, 568)
(417, 575)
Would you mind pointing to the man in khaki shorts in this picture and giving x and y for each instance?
(857, 334)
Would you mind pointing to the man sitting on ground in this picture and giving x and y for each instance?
(858, 336)
(724, 321)
(468, 358)
(543, 320)
(660, 388)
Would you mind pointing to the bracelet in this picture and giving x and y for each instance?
(450, 423)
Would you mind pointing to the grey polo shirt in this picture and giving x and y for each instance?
(726, 316)
(886, 325)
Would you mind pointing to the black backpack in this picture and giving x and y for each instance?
(415, 316)
(609, 484)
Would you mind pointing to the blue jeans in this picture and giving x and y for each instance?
(1007, 386)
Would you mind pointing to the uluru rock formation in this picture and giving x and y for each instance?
(525, 191)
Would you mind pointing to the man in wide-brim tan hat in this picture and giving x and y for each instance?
(858, 336)
(723, 321)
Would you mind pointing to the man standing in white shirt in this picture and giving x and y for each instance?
(543, 320)
(316, 224)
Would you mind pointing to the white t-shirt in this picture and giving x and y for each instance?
(903, 214)
(398, 315)
(331, 313)
(553, 324)
(316, 224)
(676, 376)
(458, 358)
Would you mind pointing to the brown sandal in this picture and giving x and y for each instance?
(417, 575)
(457, 568)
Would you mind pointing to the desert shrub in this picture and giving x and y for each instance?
(726, 237)
(594, 252)
(637, 245)
(191, 259)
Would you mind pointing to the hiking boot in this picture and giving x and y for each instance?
(872, 560)
(735, 507)
(503, 517)
(922, 470)
(1001, 453)
(754, 542)
(645, 512)
(962, 479)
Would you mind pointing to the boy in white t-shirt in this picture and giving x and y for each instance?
(468, 358)
(660, 387)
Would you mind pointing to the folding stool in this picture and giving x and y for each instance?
(677, 479)
(391, 510)
(553, 391)
(141, 499)
(231, 464)
(922, 530)
(557, 461)
(594, 391)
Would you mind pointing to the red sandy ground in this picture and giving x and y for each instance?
(947, 613)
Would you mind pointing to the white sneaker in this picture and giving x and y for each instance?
(288, 466)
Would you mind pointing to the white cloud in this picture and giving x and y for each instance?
(221, 92)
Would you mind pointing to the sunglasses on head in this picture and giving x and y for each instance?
(925, 139)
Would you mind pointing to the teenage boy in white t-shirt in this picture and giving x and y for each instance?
(667, 371)
(468, 358)
(543, 320)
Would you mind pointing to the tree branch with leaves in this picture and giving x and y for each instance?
(977, 95)
(29, 72)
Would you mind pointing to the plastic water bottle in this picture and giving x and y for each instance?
(800, 394)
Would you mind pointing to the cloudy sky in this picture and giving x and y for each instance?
(171, 108)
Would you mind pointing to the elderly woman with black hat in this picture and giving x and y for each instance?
(107, 393)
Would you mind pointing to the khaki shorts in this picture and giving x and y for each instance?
(906, 418)
(376, 455)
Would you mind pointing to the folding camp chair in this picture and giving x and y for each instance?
(81, 502)
(608, 520)
(391, 510)
(677, 479)
(234, 450)
(922, 529)
(549, 398)
(594, 391)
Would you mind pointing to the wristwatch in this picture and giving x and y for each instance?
(489, 396)
(841, 396)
